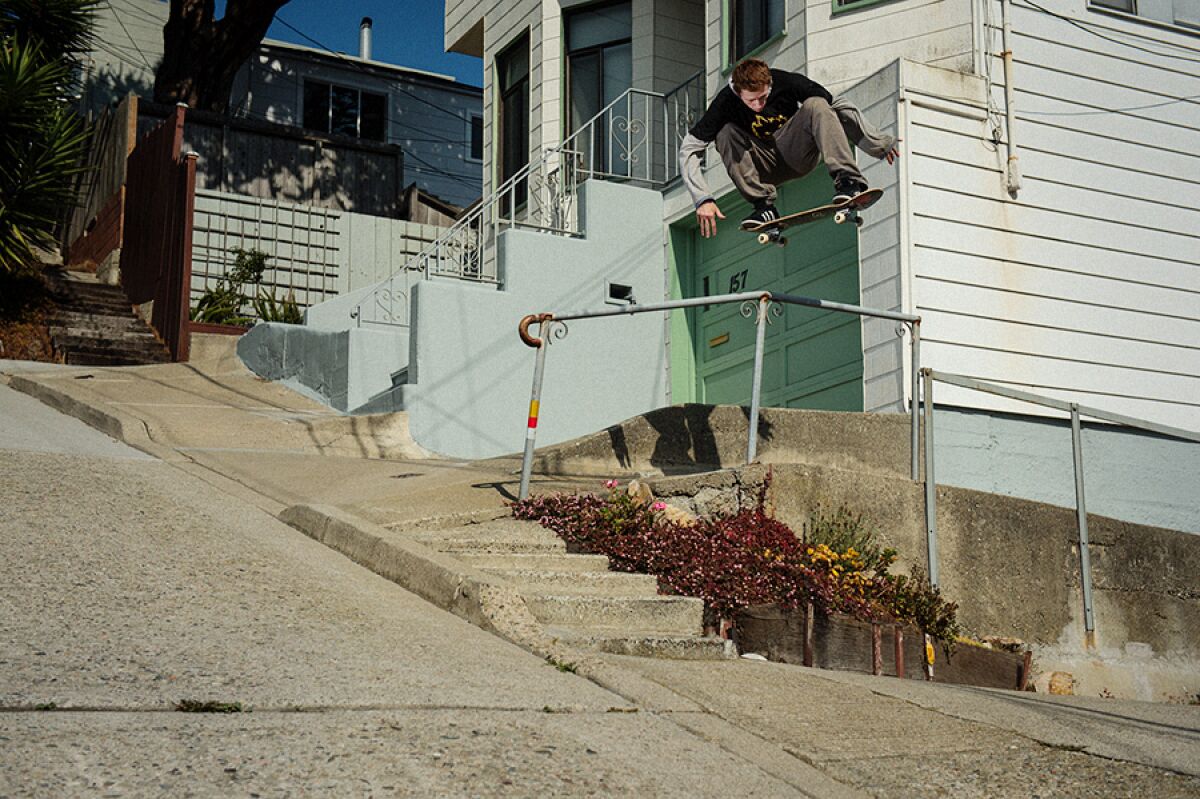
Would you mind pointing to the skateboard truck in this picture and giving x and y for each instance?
(848, 214)
(772, 235)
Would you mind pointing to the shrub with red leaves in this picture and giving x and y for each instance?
(732, 562)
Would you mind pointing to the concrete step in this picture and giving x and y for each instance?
(583, 582)
(85, 358)
(660, 614)
(88, 319)
(142, 346)
(646, 644)
(571, 563)
(73, 297)
(508, 536)
(133, 335)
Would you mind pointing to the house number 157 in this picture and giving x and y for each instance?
(737, 282)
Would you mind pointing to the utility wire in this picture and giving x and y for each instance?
(429, 168)
(1088, 28)
(117, 17)
(1191, 99)
(133, 10)
(362, 68)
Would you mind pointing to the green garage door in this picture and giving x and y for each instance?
(813, 358)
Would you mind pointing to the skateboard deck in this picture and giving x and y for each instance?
(842, 212)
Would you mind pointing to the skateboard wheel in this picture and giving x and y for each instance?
(840, 217)
(782, 242)
(858, 220)
(764, 238)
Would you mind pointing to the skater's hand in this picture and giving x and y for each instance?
(708, 214)
(893, 154)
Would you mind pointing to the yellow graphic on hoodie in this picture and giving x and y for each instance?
(765, 127)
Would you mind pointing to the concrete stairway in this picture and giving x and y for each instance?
(576, 597)
(93, 324)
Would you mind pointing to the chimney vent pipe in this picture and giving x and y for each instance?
(364, 39)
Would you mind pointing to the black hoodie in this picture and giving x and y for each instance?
(788, 91)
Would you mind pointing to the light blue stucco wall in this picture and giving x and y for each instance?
(472, 373)
(344, 369)
(1128, 474)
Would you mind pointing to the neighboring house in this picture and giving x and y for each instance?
(337, 167)
(1076, 275)
(436, 120)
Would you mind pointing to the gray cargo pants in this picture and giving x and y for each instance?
(757, 166)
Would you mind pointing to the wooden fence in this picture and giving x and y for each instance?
(95, 226)
(156, 260)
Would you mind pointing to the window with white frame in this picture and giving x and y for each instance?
(345, 111)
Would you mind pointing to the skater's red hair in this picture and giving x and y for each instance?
(751, 75)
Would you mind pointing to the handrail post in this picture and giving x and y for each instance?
(930, 485)
(764, 303)
(916, 390)
(535, 397)
(1085, 560)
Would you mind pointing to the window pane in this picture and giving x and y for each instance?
(373, 125)
(344, 116)
(316, 106)
(774, 17)
(755, 21)
(1119, 5)
(477, 138)
(595, 27)
(584, 88)
(618, 71)
(514, 64)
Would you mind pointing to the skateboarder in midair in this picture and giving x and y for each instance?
(771, 126)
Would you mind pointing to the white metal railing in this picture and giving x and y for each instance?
(761, 305)
(634, 139)
(928, 376)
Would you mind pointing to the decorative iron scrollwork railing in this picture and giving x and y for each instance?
(634, 139)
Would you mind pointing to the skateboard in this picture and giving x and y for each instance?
(842, 212)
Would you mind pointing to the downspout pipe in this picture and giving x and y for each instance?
(1012, 177)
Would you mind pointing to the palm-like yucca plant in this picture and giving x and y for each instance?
(41, 139)
(65, 28)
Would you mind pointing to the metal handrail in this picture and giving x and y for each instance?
(561, 167)
(1075, 410)
(551, 327)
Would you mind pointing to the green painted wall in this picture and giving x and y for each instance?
(813, 358)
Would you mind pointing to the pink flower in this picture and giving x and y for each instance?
(610, 483)
(659, 506)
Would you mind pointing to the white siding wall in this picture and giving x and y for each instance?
(678, 42)
(845, 48)
(127, 50)
(841, 50)
(504, 22)
(667, 49)
(880, 245)
(1087, 285)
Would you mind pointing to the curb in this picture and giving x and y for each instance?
(473, 596)
(442, 581)
(111, 422)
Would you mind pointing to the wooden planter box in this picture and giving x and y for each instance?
(839, 642)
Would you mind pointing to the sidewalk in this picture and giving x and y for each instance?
(824, 733)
